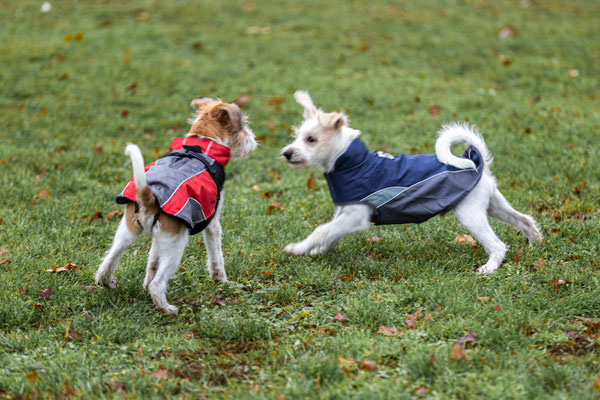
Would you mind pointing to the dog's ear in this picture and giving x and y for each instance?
(197, 103)
(229, 116)
(303, 98)
(334, 120)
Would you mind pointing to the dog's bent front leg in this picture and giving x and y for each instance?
(348, 219)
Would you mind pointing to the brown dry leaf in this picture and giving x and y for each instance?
(96, 215)
(276, 100)
(556, 283)
(38, 306)
(160, 373)
(32, 376)
(67, 267)
(373, 239)
(457, 352)
(463, 238)
(311, 183)
(597, 384)
(242, 100)
(497, 308)
(218, 301)
(339, 318)
(518, 255)
(5, 261)
(344, 362)
(43, 193)
(124, 113)
(471, 338)
(72, 334)
(367, 365)
(46, 293)
(434, 110)
(389, 330)
(411, 320)
(113, 214)
(22, 291)
(3, 252)
(274, 205)
(422, 390)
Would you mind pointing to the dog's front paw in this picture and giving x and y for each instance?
(106, 282)
(170, 309)
(295, 249)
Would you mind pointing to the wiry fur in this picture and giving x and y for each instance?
(322, 138)
(221, 122)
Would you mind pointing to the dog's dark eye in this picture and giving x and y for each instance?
(311, 139)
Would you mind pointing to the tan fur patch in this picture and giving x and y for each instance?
(132, 220)
(169, 224)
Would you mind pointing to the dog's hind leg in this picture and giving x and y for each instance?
(152, 265)
(348, 219)
(126, 234)
(170, 249)
(474, 219)
(500, 208)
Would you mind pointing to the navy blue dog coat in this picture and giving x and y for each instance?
(400, 189)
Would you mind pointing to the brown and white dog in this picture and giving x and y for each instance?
(219, 130)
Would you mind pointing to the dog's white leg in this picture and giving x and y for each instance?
(500, 208)
(170, 249)
(152, 265)
(214, 254)
(348, 219)
(474, 219)
(123, 239)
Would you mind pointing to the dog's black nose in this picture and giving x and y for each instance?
(288, 154)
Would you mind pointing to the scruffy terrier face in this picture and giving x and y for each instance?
(315, 138)
(224, 122)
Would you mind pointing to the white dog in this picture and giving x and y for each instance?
(178, 195)
(377, 187)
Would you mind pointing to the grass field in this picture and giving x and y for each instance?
(79, 82)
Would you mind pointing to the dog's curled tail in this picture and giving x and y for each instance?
(460, 133)
(143, 193)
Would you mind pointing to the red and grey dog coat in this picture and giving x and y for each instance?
(187, 181)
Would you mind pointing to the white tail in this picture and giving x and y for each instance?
(460, 133)
(137, 162)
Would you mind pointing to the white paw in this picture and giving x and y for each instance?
(169, 309)
(106, 282)
(487, 269)
(295, 249)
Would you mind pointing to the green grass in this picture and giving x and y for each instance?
(68, 107)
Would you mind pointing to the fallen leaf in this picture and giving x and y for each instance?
(256, 187)
(463, 238)
(573, 73)
(3, 252)
(113, 214)
(311, 183)
(367, 365)
(597, 384)
(160, 373)
(38, 306)
(271, 126)
(96, 215)
(506, 32)
(339, 318)
(72, 334)
(5, 261)
(242, 100)
(89, 288)
(497, 308)
(422, 390)
(276, 100)
(411, 320)
(518, 255)
(389, 330)
(274, 205)
(505, 60)
(373, 239)
(46, 293)
(471, 338)
(124, 113)
(344, 362)
(218, 301)
(556, 283)
(62, 269)
(32, 376)
(457, 352)
(22, 291)
(434, 110)
(43, 193)
(482, 299)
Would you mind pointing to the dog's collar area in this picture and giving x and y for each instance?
(356, 153)
(220, 153)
